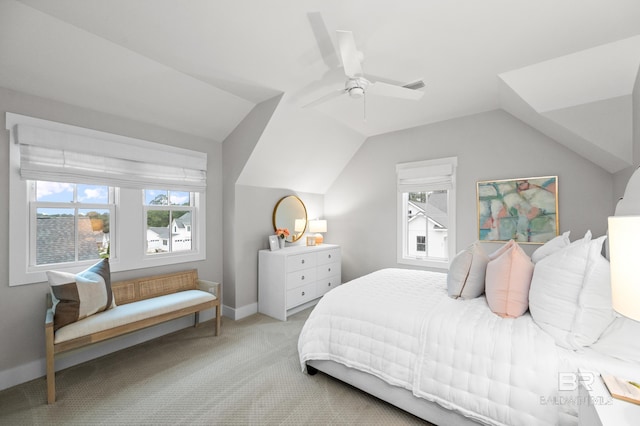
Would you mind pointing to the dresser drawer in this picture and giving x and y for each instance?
(299, 278)
(301, 295)
(328, 270)
(326, 284)
(328, 256)
(301, 261)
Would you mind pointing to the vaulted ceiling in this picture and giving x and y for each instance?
(199, 66)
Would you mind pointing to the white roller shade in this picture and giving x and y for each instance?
(426, 175)
(59, 156)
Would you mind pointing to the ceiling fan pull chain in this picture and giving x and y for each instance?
(364, 105)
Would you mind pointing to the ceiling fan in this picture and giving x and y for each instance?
(357, 85)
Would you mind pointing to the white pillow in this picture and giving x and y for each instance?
(585, 239)
(570, 295)
(466, 273)
(595, 311)
(551, 247)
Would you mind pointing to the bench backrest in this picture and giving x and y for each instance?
(158, 285)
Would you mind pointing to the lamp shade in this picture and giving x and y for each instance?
(624, 241)
(318, 226)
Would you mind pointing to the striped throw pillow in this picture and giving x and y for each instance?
(77, 296)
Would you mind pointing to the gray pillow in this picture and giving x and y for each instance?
(467, 272)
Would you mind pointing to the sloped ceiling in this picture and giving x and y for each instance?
(587, 94)
(200, 66)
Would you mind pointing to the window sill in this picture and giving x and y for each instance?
(38, 275)
(427, 263)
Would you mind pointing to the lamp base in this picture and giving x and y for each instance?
(319, 239)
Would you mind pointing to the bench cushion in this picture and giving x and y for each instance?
(132, 312)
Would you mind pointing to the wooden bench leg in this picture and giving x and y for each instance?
(51, 368)
(197, 321)
(218, 320)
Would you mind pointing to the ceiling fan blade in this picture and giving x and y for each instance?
(325, 98)
(349, 54)
(384, 89)
(414, 85)
(323, 39)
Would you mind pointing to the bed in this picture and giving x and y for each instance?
(396, 334)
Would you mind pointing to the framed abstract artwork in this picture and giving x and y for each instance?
(524, 210)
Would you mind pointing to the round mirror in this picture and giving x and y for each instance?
(290, 213)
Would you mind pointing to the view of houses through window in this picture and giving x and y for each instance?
(427, 223)
(71, 222)
(169, 220)
(426, 219)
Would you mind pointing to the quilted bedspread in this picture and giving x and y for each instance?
(401, 326)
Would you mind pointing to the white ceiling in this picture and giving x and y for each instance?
(200, 66)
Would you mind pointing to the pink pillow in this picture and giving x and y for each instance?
(501, 250)
(508, 280)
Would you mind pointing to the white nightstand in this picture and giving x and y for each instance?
(598, 408)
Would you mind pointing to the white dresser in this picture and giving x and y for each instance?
(294, 278)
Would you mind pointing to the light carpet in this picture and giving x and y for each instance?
(250, 375)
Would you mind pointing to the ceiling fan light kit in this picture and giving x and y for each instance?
(356, 85)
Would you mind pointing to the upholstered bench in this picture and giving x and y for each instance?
(140, 303)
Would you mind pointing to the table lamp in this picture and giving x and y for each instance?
(624, 236)
(318, 226)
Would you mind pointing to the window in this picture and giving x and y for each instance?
(76, 195)
(426, 212)
(70, 222)
(169, 217)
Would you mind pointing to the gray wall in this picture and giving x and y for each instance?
(247, 212)
(620, 179)
(236, 150)
(22, 308)
(360, 206)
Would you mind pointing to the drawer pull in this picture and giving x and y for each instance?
(329, 256)
(329, 269)
(302, 261)
(302, 277)
(329, 285)
(303, 293)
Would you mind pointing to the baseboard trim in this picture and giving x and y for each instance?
(241, 312)
(36, 369)
(22, 374)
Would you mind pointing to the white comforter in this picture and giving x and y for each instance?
(401, 326)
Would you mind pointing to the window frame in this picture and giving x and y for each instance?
(193, 228)
(34, 205)
(431, 167)
(127, 252)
